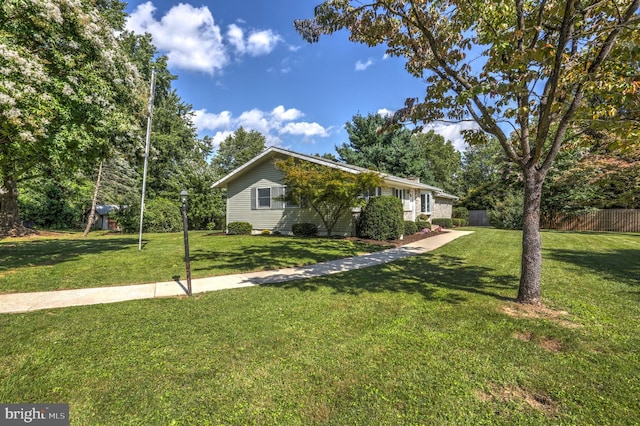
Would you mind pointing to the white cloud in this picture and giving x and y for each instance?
(361, 66)
(280, 114)
(235, 34)
(206, 120)
(385, 112)
(279, 121)
(191, 40)
(187, 34)
(219, 137)
(385, 56)
(305, 129)
(451, 131)
(262, 42)
(258, 43)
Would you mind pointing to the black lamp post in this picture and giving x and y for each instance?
(183, 196)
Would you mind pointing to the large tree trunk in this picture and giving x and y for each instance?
(92, 214)
(10, 224)
(531, 269)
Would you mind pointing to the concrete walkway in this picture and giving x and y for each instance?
(25, 302)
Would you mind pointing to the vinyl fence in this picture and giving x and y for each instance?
(617, 220)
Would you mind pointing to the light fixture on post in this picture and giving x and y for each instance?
(184, 196)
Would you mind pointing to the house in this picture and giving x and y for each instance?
(254, 190)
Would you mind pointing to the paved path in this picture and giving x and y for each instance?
(24, 302)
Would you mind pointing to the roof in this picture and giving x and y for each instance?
(273, 151)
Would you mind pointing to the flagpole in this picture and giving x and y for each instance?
(146, 152)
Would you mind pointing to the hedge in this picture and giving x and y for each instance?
(304, 229)
(422, 222)
(444, 222)
(239, 228)
(410, 227)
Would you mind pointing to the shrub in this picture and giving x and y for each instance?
(507, 213)
(457, 221)
(410, 227)
(444, 222)
(160, 215)
(265, 232)
(460, 213)
(422, 222)
(304, 229)
(239, 228)
(382, 219)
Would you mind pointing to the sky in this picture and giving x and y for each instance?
(241, 63)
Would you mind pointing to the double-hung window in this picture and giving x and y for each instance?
(263, 198)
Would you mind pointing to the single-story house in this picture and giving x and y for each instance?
(253, 192)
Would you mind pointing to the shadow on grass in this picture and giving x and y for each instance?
(277, 254)
(622, 265)
(435, 277)
(54, 251)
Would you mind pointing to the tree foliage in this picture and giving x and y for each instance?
(329, 192)
(237, 149)
(67, 93)
(400, 152)
(533, 67)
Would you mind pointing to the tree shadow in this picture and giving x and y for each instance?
(622, 265)
(435, 277)
(275, 255)
(54, 251)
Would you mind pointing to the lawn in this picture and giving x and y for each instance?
(434, 339)
(67, 261)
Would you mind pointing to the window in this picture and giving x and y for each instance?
(372, 192)
(290, 204)
(263, 198)
(425, 203)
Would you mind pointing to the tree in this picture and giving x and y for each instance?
(397, 151)
(443, 160)
(526, 66)
(237, 149)
(66, 92)
(329, 192)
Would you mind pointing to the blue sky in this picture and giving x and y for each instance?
(241, 63)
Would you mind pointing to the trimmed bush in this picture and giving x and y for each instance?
(422, 222)
(458, 221)
(382, 219)
(444, 222)
(460, 213)
(410, 227)
(239, 228)
(304, 229)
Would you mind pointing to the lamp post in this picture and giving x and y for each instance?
(183, 196)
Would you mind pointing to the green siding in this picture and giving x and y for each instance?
(239, 204)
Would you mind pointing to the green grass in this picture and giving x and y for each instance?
(432, 339)
(71, 261)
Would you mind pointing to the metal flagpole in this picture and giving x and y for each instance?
(146, 152)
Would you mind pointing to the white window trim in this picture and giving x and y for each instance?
(428, 209)
(258, 206)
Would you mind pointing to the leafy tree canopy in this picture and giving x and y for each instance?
(329, 192)
(523, 71)
(399, 152)
(67, 93)
(237, 149)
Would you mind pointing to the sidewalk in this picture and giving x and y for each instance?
(25, 302)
